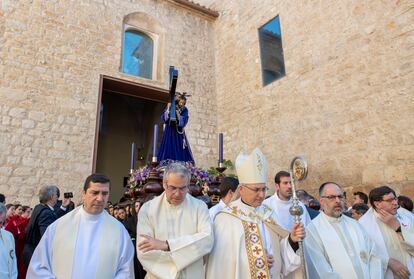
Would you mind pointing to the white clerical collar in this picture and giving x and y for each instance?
(332, 219)
(173, 205)
(51, 207)
(280, 200)
(90, 217)
(248, 206)
(222, 203)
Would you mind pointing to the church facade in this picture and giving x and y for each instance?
(341, 93)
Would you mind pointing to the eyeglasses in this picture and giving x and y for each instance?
(257, 190)
(391, 200)
(333, 197)
(176, 189)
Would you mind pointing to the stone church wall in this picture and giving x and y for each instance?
(346, 102)
(52, 54)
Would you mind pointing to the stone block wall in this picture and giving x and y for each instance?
(346, 102)
(52, 54)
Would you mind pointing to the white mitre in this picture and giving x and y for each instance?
(251, 169)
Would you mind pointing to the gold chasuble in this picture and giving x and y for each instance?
(244, 237)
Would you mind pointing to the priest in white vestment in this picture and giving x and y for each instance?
(248, 241)
(392, 229)
(174, 230)
(228, 193)
(85, 243)
(8, 263)
(337, 246)
(280, 202)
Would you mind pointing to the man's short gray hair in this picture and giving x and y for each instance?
(3, 213)
(47, 192)
(177, 168)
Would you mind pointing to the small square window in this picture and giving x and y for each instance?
(271, 51)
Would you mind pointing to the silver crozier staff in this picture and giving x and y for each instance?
(298, 172)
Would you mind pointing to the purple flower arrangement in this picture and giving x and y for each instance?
(140, 176)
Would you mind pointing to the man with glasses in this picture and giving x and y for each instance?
(8, 263)
(174, 230)
(248, 241)
(336, 246)
(392, 229)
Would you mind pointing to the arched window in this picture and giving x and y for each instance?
(138, 54)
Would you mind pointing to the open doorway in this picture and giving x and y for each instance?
(127, 114)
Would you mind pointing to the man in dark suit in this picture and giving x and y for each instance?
(62, 207)
(42, 216)
(306, 199)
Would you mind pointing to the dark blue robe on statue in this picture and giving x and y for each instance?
(174, 144)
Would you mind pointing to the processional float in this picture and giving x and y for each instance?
(153, 185)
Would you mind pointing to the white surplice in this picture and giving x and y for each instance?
(286, 220)
(8, 263)
(339, 248)
(282, 214)
(213, 211)
(231, 256)
(81, 245)
(187, 228)
(390, 243)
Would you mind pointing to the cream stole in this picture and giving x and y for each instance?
(64, 244)
(339, 259)
(8, 251)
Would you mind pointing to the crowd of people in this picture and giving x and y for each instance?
(248, 234)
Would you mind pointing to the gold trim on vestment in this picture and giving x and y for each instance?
(255, 251)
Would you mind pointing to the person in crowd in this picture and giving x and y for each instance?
(314, 204)
(228, 193)
(358, 210)
(8, 263)
(17, 226)
(337, 246)
(62, 207)
(121, 214)
(137, 206)
(27, 212)
(174, 230)
(10, 212)
(392, 229)
(2, 198)
(110, 209)
(130, 224)
(19, 209)
(360, 197)
(281, 201)
(42, 216)
(248, 241)
(20, 241)
(405, 202)
(77, 245)
(307, 200)
(116, 209)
